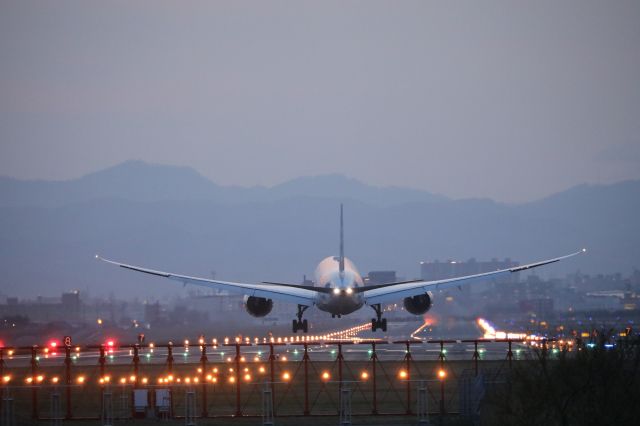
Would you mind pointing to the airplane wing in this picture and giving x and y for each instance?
(301, 296)
(396, 291)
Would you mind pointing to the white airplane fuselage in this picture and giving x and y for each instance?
(342, 300)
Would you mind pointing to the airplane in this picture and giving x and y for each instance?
(338, 289)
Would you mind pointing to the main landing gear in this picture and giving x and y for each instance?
(378, 323)
(300, 324)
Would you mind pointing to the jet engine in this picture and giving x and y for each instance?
(257, 306)
(418, 305)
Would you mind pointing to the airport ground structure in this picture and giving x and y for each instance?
(268, 380)
(234, 379)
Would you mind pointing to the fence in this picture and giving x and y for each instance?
(300, 378)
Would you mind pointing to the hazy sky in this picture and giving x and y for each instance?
(508, 100)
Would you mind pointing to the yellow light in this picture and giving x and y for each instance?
(284, 358)
(242, 359)
(214, 380)
(101, 381)
(80, 380)
(6, 379)
(187, 379)
(11, 352)
(29, 379)
(107, 379)
(144, 380)
(286, 376)
(326, 375)
(199, 370)
(99, 321)
(247, 377)
(196, 380)
(403, 374)
(256, 359)
(232, 379)
(442, 374)
(209, 377)
(246, 369)
(40, 378)
(132, 378)
(261, 369)
(160, 380)
(54, 380)
(123, 380)
(215, 370)
(364, 375)
(170, 377)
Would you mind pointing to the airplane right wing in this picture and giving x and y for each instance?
(395, 291)
(301, 296)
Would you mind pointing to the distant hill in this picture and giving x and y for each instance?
(172, 218)
(140, 181)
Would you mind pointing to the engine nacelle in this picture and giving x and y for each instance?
(258, 306)
(418, 305)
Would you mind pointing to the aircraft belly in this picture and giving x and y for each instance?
(339, 305)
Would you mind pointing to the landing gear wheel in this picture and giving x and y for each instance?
(300, 324)
(378, 323)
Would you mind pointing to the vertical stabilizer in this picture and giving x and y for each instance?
(341, 241)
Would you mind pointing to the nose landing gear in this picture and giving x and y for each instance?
(300, 324)
(378, 323)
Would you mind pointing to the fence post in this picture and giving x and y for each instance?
(34, 389)
(272, 374)
(476, 355)
(238, 410)
(510, 354)
(305, 359)
(67, 380)
(408, 368)
(203, 366)
(374, 360)
(442, 357)
(170, 371)
(136, 365)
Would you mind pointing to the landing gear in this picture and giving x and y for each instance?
(300, 324)
(378, 323)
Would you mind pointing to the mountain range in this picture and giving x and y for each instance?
(174, 219)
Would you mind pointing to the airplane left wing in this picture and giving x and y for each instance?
(301, 296)
(396, 291)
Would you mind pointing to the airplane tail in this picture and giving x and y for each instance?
(341, 260)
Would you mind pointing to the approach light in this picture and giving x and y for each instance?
(326, 375)
(80, 380)
(286, 376)
(247, 377)
(364, 375)
(6, 379)
(442, 374)
(403, 374)
(349, 290)
(336, 291)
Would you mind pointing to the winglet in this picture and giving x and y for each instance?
(341, 241)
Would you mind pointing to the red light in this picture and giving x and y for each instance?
(110, 343)
(53, 344)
